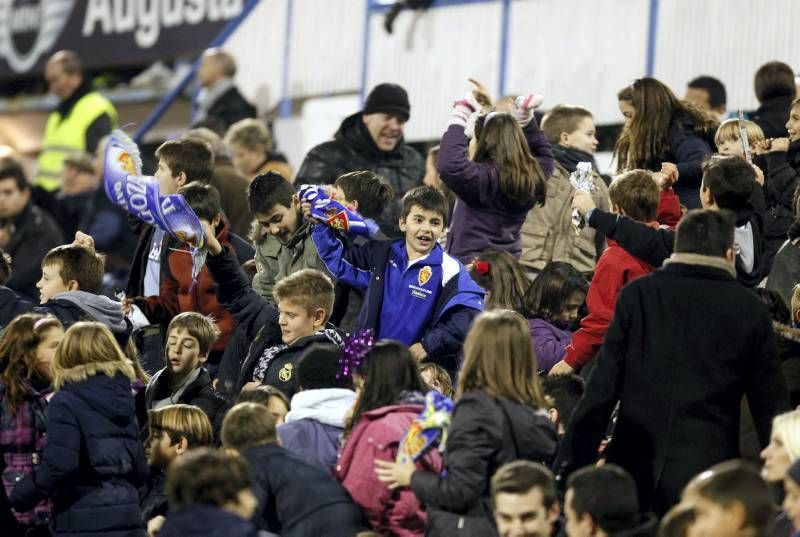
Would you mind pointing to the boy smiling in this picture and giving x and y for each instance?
(417, 293)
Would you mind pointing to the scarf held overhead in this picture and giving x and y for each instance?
(139, 195)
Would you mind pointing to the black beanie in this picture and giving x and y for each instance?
(389, 99)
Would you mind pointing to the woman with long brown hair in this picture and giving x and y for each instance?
(665, 135)
(500, 416)
(27, 346)
(505, 178)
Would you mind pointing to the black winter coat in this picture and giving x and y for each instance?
(771, 116)
(33, 234)
(202, 520)
(229, 108)
(93, 461)
(485, 434)
(781, 181)
(297, 498)
(686, 343)
(353, 149)
(199, 393)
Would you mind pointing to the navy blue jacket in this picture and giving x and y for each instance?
(457, 302)
(206, 521)
(687, 151)
(93, 460)
(297, 498)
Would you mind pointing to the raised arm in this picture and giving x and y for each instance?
(352, 266)
(651, 245)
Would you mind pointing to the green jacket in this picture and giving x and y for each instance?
(275, 259)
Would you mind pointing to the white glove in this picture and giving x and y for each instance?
(523, 106)
(463, 109)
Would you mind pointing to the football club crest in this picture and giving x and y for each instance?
(425, 274)
(339, 221)
(285, 374)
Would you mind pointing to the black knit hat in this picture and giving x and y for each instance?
(389, 99)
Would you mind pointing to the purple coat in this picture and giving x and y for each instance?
(483, 216)
(22, 442)
(549, 342)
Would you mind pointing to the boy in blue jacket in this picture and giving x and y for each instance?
(415, 292)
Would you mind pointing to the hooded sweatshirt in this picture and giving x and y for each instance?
(314, 426)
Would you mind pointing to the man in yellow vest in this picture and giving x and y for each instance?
(79, 122)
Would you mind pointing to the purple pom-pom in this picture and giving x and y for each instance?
(353, 352)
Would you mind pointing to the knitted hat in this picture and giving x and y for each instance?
(793, 472)
(389, 99)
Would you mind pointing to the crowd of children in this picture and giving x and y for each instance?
(517, 318)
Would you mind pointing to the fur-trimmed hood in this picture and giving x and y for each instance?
(107, 395)
(82, 372)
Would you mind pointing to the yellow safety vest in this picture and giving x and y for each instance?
(68, 135)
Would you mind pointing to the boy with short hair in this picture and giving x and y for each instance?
(564, 391)
(304, 300)
(416, 293)
(210, 493)
(287, 246)
(634, 194)
(314, 425)
(524, 500)
(173, 430)
(72, 277)
(180, 162)
(190, 337)
(296, 498)
(178, 292)
(732, 500)
(274, 337)
(547, 233)
(363, 191)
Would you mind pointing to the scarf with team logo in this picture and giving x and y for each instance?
(139, 195)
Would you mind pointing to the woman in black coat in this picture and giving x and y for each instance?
(500, 416)
(94, 460)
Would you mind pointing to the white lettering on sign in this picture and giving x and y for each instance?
(147, 18)
(137, 199)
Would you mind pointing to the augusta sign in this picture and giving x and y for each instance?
(106, 32)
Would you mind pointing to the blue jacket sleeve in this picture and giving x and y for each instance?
(651, 245)
(447, 336)
(352, 265)
(61, 458)
(249, 309)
